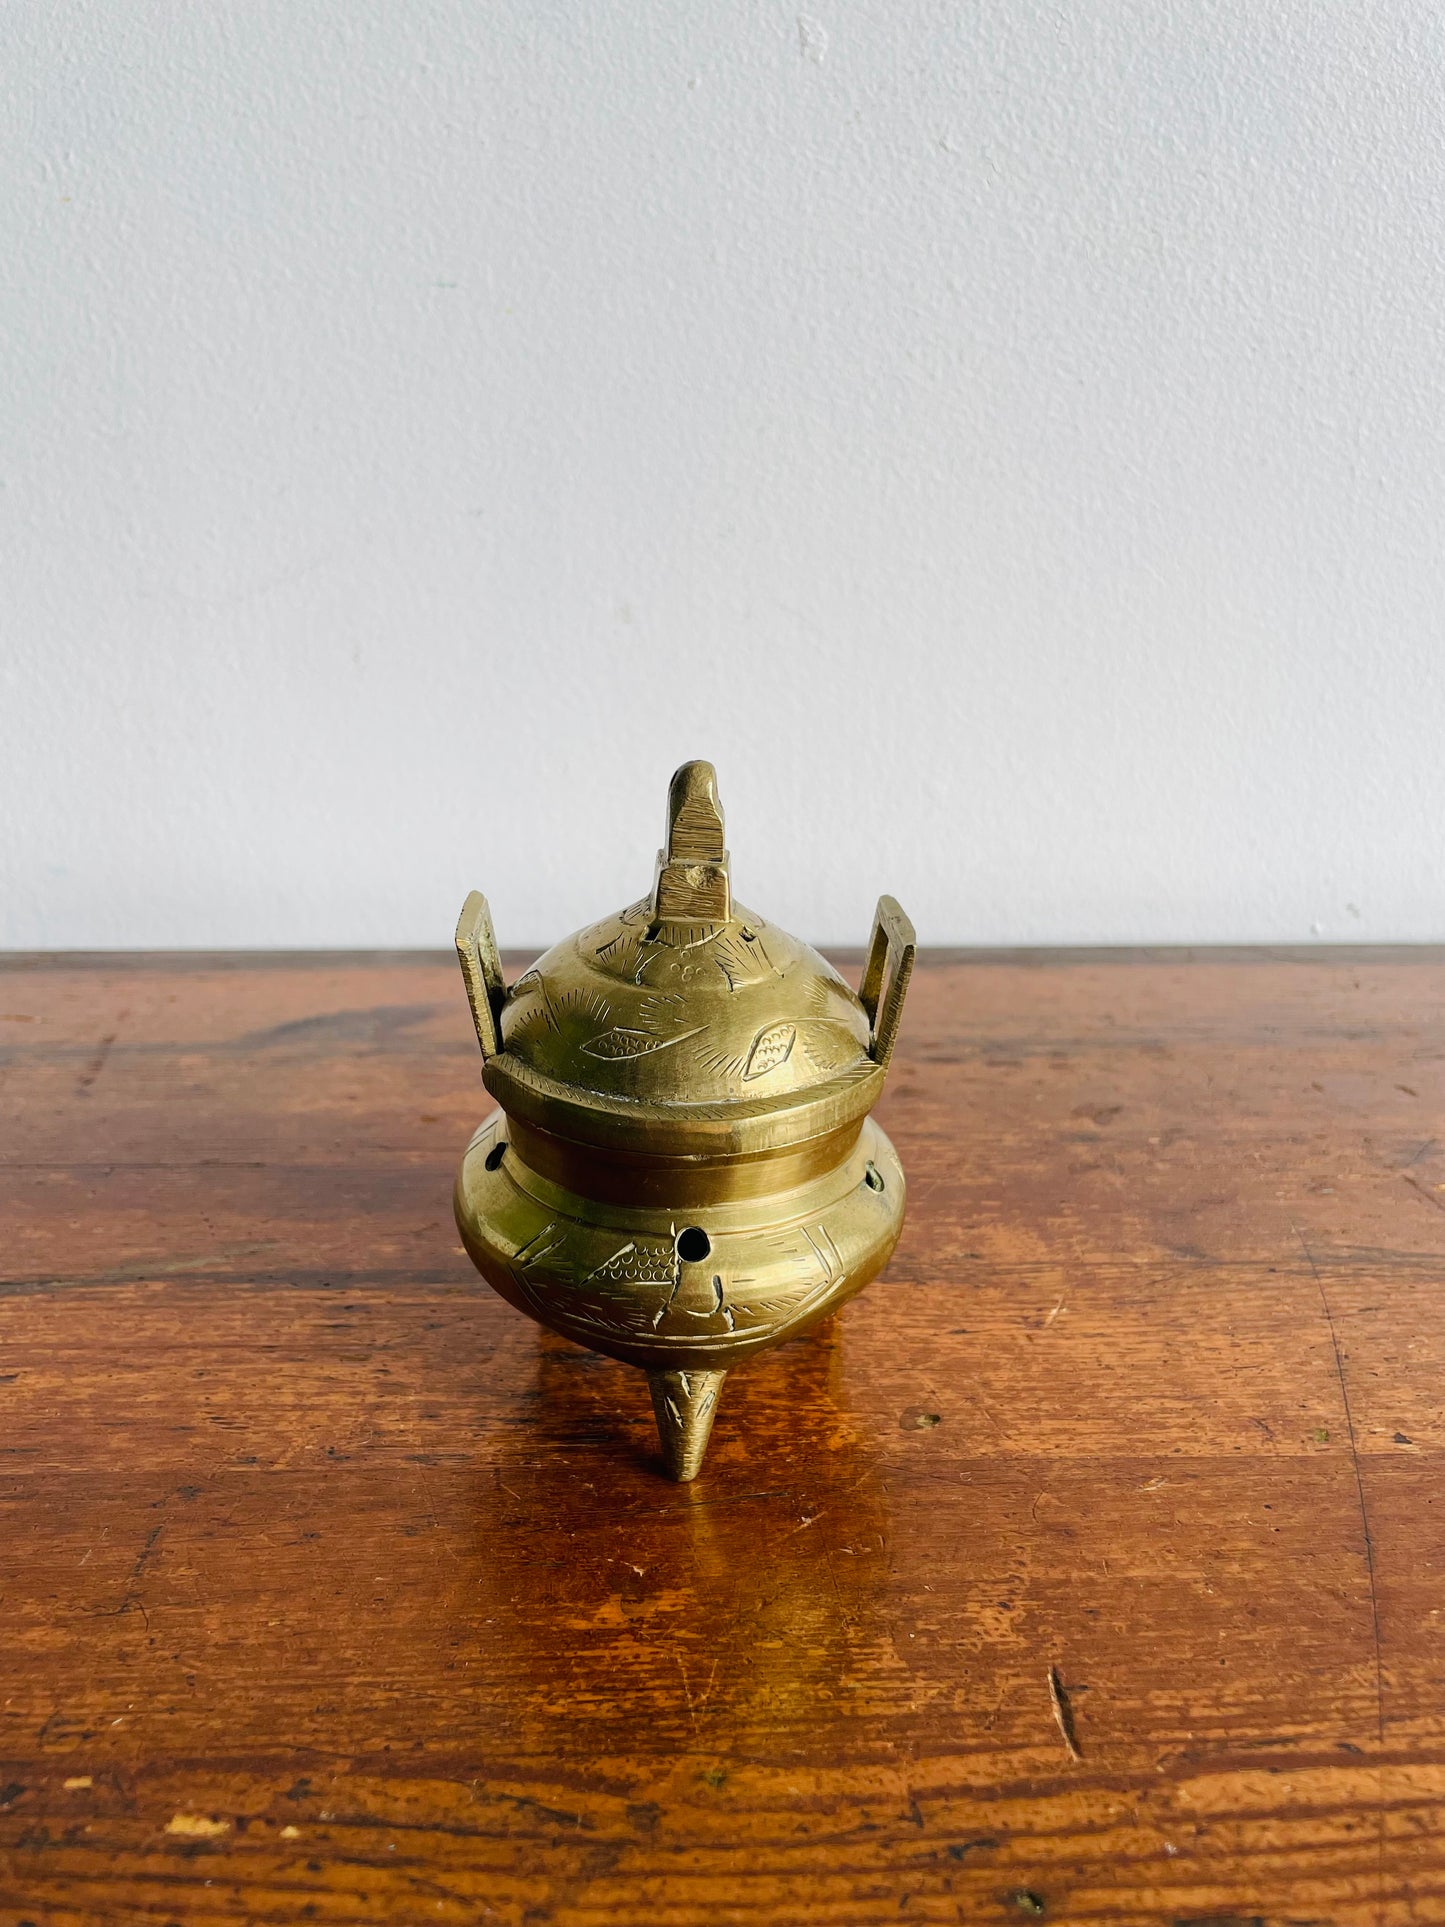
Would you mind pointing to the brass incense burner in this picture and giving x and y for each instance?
(683, 1169)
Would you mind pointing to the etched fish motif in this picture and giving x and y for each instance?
(636, 1264)
(770, 1048)
(622, 1042)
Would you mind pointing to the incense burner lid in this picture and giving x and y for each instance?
(708, 1014)
(686, 1025)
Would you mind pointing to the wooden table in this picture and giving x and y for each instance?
(334, 1591)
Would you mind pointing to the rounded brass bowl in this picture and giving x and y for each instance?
(676, 1290)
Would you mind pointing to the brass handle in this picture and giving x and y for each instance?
(891, 951)
(481, 972)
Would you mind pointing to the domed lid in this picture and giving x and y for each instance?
(685, 1025)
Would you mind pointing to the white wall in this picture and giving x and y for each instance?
(1007, 438)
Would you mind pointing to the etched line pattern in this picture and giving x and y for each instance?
(822, 1256)
(539, 1245)
(704, 1404)
(585, 1006)
(726, 1063)
(742, 957)
(535, 1253)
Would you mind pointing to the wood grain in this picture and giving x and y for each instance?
(333, 1591)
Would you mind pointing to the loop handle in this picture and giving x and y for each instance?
(891, 951)
(482, 972)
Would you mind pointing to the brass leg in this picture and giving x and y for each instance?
(685, 1403)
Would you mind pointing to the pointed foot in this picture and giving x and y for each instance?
(685, 1403)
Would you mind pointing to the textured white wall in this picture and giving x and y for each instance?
(1007, 438)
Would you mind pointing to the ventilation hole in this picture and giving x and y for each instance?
(873, 1178)
(496, 1154)
(693, 1244)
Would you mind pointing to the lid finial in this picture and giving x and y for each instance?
(692, 870)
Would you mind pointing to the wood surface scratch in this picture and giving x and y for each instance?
(1063, 1713)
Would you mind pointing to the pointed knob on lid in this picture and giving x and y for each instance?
(692, 870)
